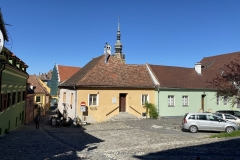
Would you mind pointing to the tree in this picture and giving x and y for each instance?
(151, 110)
(227, 82)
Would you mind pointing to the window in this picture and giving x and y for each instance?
(225, 100)
(71, 98)
(170, 100)
(8, 99)
(19, 97)
(213, 118)
(238, 105)
(4, 102)
(64, 97)
(220, 115)
(23, 96)
(202, 117)
(218, 102)
(13, 98)
(229, 117)
(144, 98)
(1, 102)
(92, 99)
(192, 117)
(185, 100)
(38, 99)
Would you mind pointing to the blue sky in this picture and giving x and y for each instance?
(162, 32)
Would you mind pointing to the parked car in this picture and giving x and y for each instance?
(232, 112)
(229, 117)
(195, 122)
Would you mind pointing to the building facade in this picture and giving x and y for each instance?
(13, 92)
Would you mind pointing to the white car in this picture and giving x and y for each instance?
(229, 117)
(195, 122)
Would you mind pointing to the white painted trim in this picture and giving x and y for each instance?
(152, 76)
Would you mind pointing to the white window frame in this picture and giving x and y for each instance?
(38, 97)
(144, 98)
(64, 97)
(89, 96)
(185, 100)
(225, 100)
(171, 100)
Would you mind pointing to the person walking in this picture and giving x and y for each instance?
(37, 120)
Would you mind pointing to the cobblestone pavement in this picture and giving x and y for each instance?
(138, 139)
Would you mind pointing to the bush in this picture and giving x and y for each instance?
(151, 110)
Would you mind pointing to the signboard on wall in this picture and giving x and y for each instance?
(83, 107)
(114, 100)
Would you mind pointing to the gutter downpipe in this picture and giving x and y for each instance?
(158, 102)
(75, 100)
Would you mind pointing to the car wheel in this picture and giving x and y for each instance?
(193, 129)
(229, 129)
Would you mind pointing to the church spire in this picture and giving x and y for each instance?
(118, 44)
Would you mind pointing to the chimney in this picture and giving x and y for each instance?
(198, 68)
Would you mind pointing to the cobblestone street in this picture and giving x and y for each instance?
(139, 139)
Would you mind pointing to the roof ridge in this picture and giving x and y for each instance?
(44, 89)
(219, 55)
(91, 69)
(149, 67)
(170, 66)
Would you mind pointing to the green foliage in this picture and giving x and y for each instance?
(151, 110)
(225, 134)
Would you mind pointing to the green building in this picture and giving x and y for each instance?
(13, 80)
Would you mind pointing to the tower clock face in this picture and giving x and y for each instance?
(1, 40)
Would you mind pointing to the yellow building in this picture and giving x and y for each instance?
(105, 87)
(42, 95)
(108, 87)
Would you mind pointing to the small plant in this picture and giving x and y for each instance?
(224, 134)
(151, 110)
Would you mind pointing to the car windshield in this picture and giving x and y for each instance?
(219, 115)
(228, 116)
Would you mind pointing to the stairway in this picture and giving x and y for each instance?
(122, 116)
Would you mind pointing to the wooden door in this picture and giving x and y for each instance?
(122, 105)
(203, 102)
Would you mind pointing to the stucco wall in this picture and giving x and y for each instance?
(195, 102)
(70, 107)
(14, 116)
(105, 102)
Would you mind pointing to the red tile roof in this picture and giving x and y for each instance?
(35, 81)
(114, 73)
(66, 71)
(46, 76)
(178, 77)
(215, 64)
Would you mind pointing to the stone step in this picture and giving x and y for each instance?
(123, 116)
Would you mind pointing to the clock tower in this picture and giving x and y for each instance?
(118, 45)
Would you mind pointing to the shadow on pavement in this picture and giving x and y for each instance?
(226, 149)
(47, 143)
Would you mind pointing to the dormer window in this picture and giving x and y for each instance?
(14, 62)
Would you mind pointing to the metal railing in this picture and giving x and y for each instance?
(135, 110)
(112, 111)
